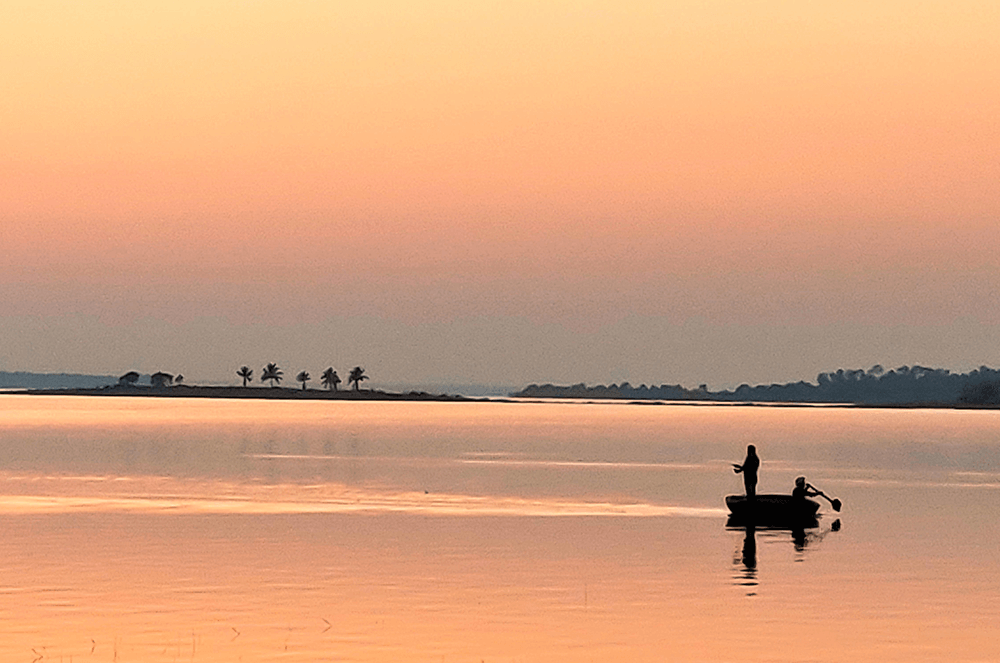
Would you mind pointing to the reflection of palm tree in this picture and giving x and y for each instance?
(330, 378)
(246, 373)
(272, 373)
(303, 377)
(357, 375)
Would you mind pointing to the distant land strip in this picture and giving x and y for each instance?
(907, 385)
(25, 380)
(273, 393)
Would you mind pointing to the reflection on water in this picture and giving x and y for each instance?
(801, 535)
(748, 578)
(21, 494)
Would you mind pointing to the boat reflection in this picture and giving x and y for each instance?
(803, 534)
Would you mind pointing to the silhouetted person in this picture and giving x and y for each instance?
(803, 490)
(749, 471)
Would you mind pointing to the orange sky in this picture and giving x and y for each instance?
(607, 170)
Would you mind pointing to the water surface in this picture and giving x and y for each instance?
(198, 530)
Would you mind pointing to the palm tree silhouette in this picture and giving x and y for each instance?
(357, 375)
(303, 377)
(272, 373)
(331, 379)
(246, 373)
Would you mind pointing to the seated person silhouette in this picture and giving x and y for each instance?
(803, 490)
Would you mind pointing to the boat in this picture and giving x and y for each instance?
(772, 511)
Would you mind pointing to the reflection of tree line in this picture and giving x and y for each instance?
(270, 373)
(907, 384)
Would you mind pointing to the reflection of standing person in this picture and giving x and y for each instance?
(749, 470)
(750, 549)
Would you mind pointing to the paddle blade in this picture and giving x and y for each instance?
(836, 505)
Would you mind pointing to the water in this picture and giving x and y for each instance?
(174, 530)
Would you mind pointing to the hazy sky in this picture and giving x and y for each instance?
(500, 192)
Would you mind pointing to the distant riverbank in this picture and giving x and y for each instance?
(906, 386)
(269, 393)
(284, 393)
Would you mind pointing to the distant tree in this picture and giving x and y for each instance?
(246, 373)
(128, 379)
(160, 379)
(356, 376)
(303, 377)
(178, 379)
(330, 379)
(271, 373)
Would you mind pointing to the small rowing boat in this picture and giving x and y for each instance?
(772, 510)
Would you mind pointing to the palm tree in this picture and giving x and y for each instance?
(272, 373)
(356, 376)
(303, 377)
(331, 379)
(246, 373)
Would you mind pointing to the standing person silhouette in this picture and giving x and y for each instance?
(749, 470)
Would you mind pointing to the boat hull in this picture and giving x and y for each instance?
(772, 511)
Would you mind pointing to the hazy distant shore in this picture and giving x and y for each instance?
(269, 393)
(903, 387)
(906, 386)
(284, 393)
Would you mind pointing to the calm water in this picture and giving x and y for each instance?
(195, 530)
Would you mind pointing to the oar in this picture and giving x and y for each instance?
(836, 504)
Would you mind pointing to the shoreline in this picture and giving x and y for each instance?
(287, 393)
(260, 393)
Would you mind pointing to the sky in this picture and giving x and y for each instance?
(453, 192)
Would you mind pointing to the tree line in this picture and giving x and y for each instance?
(329, 378)
(271, 373)
(875, 386)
